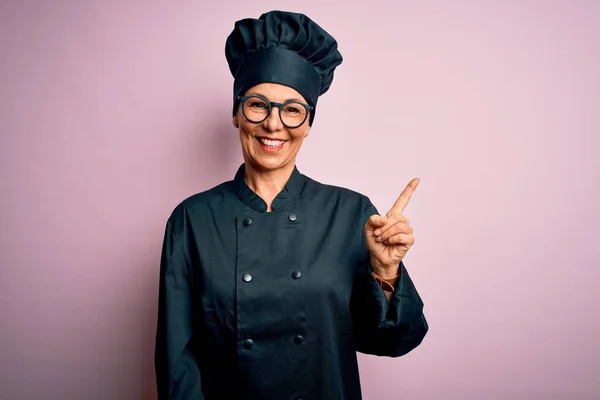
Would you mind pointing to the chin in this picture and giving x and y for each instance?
(269, 163)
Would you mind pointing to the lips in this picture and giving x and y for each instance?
(271, 143)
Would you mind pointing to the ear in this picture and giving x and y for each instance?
(306, 133)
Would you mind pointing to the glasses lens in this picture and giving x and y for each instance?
(256, 109)
(293, 114)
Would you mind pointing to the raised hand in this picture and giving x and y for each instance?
(390, 236)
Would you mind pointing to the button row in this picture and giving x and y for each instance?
(248, 221)
(249, 343)
(247, 277)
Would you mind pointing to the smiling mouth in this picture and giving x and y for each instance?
(271, 143)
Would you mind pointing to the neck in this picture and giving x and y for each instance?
(267, 184)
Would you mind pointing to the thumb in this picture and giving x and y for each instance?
(374, 222)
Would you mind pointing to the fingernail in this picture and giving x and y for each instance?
(377, 232)
(378, 239)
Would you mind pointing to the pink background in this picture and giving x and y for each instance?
(113, 112)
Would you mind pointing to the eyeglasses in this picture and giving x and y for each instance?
(257, 109)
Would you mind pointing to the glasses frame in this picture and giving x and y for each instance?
(272, 104)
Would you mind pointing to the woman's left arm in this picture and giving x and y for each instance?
(387, 328)
(387, 322)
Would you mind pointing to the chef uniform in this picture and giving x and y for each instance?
(275, 305)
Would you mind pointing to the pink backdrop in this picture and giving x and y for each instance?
(113, 111)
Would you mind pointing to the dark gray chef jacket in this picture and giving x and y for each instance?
(274, 305)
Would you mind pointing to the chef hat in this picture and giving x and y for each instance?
(282, 47)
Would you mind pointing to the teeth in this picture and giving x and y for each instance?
(271, 143)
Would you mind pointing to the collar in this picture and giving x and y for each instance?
(247, 196)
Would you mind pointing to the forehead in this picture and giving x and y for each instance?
(276, 92)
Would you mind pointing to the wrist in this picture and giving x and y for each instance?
(384, 271)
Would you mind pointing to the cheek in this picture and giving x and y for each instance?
(245, 132)
(245, 137)
(297, 142)
(299, 134)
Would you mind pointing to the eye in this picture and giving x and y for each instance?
(292, 109)
(258, 104)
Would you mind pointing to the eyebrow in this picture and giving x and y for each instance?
(262, 95)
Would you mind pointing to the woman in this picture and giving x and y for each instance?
(271, 282)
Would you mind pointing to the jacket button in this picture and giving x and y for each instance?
(299, 339)
(247, 277)
(248, 344)
(296, 274)
(247, 221)
(292, 217)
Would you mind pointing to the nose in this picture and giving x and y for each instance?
(273, 122)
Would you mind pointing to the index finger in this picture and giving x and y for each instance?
(405, 196)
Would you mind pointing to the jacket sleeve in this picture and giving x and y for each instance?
(177, 371)
(385, 328)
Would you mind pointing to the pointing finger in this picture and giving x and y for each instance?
(405, 196)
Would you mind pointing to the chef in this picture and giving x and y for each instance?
(270, 283)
